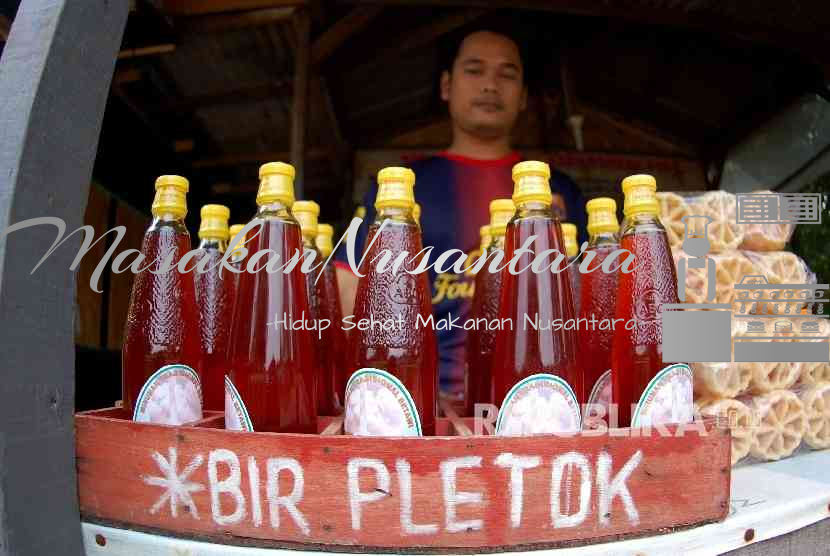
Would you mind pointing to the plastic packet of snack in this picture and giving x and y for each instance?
(720, 380)
(766, 237)
(730, 269)
(723, 231)
(779, 422)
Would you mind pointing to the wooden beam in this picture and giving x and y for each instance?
(668, 14)
(5, 28)
(299, 113)
(240, 20)
(56, 73)
(255, 158)
(334, 37)
(427, 33)
(202, 7)
(153, 50)
(241, 95)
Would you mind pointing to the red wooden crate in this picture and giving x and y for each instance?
(374, 494)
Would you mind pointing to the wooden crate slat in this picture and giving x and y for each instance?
(380, 493)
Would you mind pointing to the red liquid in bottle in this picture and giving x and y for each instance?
(536, 379)
(481, 340)
(326, 359)
(215, 292)
(525, 351)
(638, 354)
(598, 300)
(161, 330)
(272, 366)
(332, 350)
(407, 351)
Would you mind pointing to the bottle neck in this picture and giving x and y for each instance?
(533, 208)
(602, 238)
(641, 222)
(308, 242)
(496, 242)
(168, 220)
(215, 244)
(276, 209)
(396, 214)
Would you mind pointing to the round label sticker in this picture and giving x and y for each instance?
(539, 404)
(236, 414)
(378, 404)
(667, 399)
(171, 396)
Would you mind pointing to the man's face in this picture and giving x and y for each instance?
(485, 89)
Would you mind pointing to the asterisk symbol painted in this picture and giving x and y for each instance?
(178, 488)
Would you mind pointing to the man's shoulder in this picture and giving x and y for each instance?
(430, 164)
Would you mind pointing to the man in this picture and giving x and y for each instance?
(485, 90)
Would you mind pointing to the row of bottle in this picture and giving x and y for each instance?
(280, 379)
(184, 329)
(543, 377)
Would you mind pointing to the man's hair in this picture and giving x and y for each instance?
(506, 27)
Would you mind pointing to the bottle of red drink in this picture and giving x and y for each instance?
(331, 310)
(598, 305)
(161, 355)
(215, 290)
(662, 393)
(272, 373)
(535, 373)
(481, 340)
(306, 213)
(393, 388)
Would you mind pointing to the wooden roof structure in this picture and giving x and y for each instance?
(212, 88)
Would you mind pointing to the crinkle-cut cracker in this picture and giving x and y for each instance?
(766, 237)
(731, 268)
(738, 417)
(767, 377)
(815, 373)
(724, 232)
(782, 267)
(780, 424)
(673, 207)
(816, 400)
(721, 380)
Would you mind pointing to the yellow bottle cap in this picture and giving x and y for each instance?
(325, 233)
(235, 229)
(531, 182)
(640, 195)
(416, 213)
(395, 188)
(170, 196)
(214, 223)
(276, 184)
(602, 216)
(501, 211)
(569, 235)
(484, 235)
(306, 213)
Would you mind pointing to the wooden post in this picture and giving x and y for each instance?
(54, 79)
(299, 114)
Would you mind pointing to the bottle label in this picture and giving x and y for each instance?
(236, 414)
(378, 404)
(539, 404)
(668, 398)
(171, 396)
